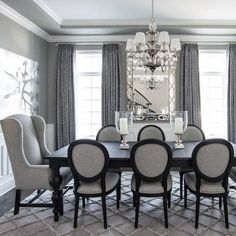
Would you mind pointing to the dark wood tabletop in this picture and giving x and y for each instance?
(120, 158)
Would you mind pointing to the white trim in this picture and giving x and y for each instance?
(115, 38)
(145, 22)
(49, 11)
(21, 20)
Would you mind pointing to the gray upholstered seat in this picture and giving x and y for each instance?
(151, 187)
(212, 161)
(108, 133)
(151, 132)
(25, 139)
(192, 134)
(111, 181)
(206, 187)
(89, 161)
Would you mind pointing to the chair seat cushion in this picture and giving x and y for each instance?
(111, 181)
(232, 174)
(206, 187)
(151, 187)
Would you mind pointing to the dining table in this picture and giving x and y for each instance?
(119, 158)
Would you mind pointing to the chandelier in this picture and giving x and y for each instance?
(154, 50)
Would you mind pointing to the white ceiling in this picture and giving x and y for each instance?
(141, 9)
(125, 17)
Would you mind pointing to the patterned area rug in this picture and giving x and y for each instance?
(39, 221)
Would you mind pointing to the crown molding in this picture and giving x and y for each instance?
(48, 10)
(122, 38)
(140, 22)
(24, 22)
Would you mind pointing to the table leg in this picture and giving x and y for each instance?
(55, 182)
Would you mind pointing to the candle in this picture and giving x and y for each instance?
(123, 126)
(178, 125)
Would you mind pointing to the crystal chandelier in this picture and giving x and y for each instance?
(154, 50)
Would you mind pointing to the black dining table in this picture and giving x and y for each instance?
(118, 159)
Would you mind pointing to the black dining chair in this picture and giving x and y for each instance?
(151, 161)
(212, 161)
(108, 133)
(192, 134)
(89, 162)
(151, 132)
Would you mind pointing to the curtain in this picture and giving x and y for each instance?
(189, 83)
(65, 111)
(110, 82)
(232, 93)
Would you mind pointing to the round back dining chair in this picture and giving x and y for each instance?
(108, 133)
(151, 132)
(212, 161)
(192, 134)
(151, 160)
(89, 161)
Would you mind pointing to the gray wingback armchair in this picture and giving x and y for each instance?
(25, 140)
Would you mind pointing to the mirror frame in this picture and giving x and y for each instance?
(130, 70)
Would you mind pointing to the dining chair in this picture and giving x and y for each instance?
(89, 162)
(151, 132)
(151, 161)
(212, 161)
(25, 140)
(108, 133)
(192, 134)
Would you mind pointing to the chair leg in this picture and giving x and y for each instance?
(134, 199)
(220, 202)
(83, 202)
(61, 205)
(169, 199)
(226, 211)
(118, 190)
(104, 211)
(185, 196)
(181, 175)
(76, 210)
(197, 210)
(17, 201)
(137, 202)
(165, 210)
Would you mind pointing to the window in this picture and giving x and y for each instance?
(213, 87)
(88, 92)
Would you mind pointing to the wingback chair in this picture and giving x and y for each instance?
(25, 140)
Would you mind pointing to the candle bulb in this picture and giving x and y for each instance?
(179, 125)
(123, 126)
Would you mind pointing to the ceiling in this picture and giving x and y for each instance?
(125, 17)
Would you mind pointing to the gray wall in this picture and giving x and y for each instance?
(17, 39)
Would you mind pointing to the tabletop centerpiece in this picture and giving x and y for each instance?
(178, 123)
(124, 122)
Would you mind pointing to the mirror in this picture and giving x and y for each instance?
(151, 96)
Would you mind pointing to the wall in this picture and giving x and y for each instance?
(17, 39)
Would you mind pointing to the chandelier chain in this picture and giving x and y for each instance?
(152, 10)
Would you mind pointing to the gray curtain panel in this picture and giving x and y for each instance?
(65, 108)
(189, 83)
(110, 82)
(232, 93)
